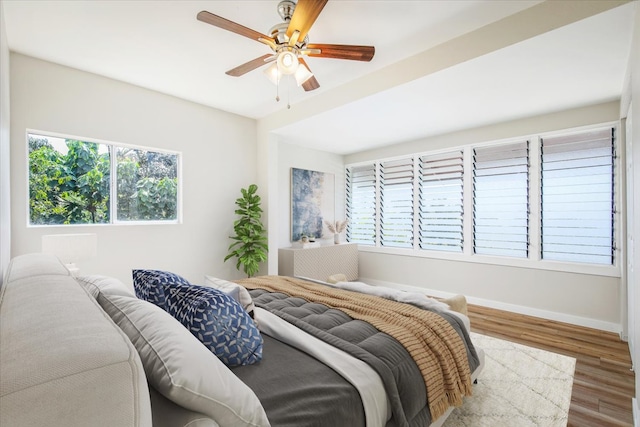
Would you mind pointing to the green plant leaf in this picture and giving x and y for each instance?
(250, 243)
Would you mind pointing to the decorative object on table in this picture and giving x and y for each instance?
(250, 246)
(71, 248)
(305, 242)
(312, 202)
(337, 228)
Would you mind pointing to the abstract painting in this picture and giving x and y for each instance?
(312, 202)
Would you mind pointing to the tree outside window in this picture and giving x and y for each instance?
(147, 185)
(70, 183)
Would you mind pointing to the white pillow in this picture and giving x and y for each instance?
(96, 284)
(180, 367)
(235, 291)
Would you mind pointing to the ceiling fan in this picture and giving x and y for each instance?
(289, 42)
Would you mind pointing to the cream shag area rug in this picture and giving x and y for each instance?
(520, 386)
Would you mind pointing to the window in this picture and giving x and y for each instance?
(478, 202)
(396, 207)
(577, 197)
(441, 201)
(501, 200)
(78, 182)
(147, 185)
(69, 181)
(361, 204)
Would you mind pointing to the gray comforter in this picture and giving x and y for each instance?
(297, 390)
(402, 379)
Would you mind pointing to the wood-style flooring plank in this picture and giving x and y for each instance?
(603, 382)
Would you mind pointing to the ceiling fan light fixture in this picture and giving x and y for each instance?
(289, 42)
(287, 62)
(302, 74)
(273, 74)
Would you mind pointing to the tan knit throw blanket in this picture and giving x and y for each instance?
(436, 347)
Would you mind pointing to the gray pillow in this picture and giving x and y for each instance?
(180, 367)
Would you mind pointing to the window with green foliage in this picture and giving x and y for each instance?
(84, 182)
(147, 185)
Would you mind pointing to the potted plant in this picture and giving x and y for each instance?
(250, 246)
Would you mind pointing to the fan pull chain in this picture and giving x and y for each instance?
(288, 88)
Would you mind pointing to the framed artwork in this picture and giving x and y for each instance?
(312, 202)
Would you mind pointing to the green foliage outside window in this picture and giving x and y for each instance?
(69, 183)
(147, 185)
(71, 188)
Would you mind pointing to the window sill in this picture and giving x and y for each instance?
(107, 224)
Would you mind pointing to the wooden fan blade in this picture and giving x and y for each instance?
(343, 51)
(249, 66)
(304, 15)
(311, 83)
(225, 24)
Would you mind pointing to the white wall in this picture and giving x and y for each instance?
(275, 160)
(292, 156)
(218, 158)
(590, 300)
(5, 194)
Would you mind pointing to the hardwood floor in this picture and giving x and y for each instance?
(603, 384)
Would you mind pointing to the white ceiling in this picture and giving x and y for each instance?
(161, 46)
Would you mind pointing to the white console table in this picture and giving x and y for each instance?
(320, 262)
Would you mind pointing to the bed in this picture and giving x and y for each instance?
(349, 354)
(295, 352)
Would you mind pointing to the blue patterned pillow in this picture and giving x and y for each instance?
(149, 285)
(217, 320)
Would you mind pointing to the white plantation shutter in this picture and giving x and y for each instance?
(396, 203)
(441, 201)
(578, 197)
(501, 200)
(361, 204)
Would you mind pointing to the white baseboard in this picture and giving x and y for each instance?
(636, 412)
(530, 311)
